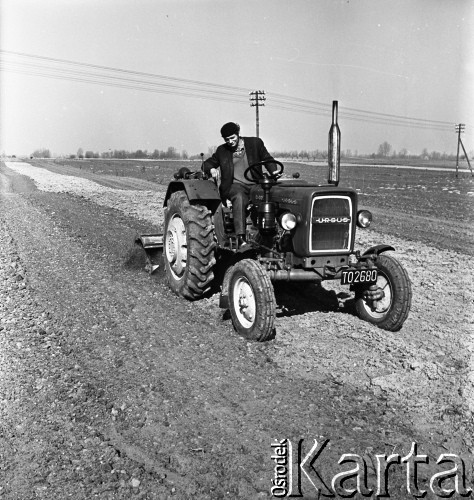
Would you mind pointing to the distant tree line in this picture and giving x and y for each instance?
(121, 154)
(384, 151)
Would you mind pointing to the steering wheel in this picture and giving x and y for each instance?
(254, 174)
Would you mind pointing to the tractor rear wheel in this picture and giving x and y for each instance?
(251, 300)
(189, 247)
(391, 310)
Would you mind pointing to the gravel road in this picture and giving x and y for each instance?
(111, 387)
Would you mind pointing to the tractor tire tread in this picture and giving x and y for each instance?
(402, 293)
(263, 328)
(201, 246)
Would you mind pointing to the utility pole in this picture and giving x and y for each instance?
(257, 99)
(460, 130)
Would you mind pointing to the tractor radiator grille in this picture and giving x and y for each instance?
(331, 222)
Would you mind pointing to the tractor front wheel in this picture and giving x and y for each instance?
(392, 302)
(251, 300)
(189, 247)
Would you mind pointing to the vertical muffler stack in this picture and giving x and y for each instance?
(334, 148)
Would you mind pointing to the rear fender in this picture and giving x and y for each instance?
(199, 191)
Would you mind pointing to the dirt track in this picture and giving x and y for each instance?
(111, 386)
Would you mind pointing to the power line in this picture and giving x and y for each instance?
(106, 79)
(63, 69)
(143, 87)
(360, 118)
(125, 71)
(284, 99)
(375, 118)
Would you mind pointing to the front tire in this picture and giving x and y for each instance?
(251, 301)
(189, 247)
(391, 311)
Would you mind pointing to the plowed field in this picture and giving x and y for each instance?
(111, 387)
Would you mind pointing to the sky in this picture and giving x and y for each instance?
(149, 74)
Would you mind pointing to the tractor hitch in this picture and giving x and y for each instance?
(153, 246)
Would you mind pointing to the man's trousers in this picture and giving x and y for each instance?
(239, 195)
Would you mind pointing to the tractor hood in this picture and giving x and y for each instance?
(292, 194)
(326, 216)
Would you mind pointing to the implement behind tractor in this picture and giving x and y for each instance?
(296, 231)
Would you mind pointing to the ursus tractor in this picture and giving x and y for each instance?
(297, 231)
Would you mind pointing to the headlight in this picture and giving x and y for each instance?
(288, 221)
(364, 218)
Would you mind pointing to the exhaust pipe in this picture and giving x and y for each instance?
(334, 148)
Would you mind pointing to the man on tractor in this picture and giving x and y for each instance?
(301, 231)
(234, 157)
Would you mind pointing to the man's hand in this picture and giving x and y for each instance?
(214, 172)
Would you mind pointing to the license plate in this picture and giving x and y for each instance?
(358, 276)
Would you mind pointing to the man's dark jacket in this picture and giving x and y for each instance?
(222, 158)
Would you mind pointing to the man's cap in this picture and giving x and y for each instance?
(230, 128)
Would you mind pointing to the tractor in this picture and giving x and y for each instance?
(297, 231)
